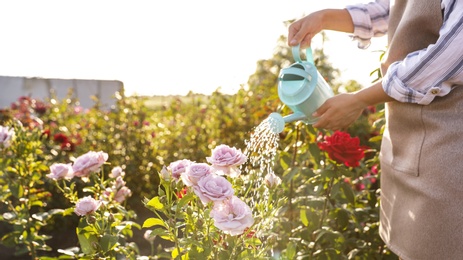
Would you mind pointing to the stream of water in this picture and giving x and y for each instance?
(261, 148)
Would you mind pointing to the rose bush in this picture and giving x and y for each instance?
(23, 196)
(206, 208)
(105, 225)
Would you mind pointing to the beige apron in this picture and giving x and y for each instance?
(422, 156)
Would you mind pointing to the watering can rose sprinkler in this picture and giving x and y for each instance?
(302, 89)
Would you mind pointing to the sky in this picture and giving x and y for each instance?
(162, 47)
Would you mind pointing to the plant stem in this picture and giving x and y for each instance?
(327, 198)
(324, 212)
(291, 184)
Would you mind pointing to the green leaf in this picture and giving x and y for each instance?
(253, 242)
(342, 218)
(153, 222)
(285, 162)
(87, 242)
(89, 189)
(155, 203)
(291, 251)
(38, 203)
(159, 232)
(315, 152)
(329, 173)
(175, 253)
(303, 216)
(348, 192)
(185, 199)
(375, 139)
(68, 211)
(9, 239)
(17, 190)
(289, 173)
(108, 242)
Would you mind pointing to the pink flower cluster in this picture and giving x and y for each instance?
(230, 213)
(82, 167)
(118, 191)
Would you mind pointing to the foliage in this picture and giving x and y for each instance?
(321, 210)
(23, 196)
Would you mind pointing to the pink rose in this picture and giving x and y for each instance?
(271, 180)
(122, 194)
(86, 205)
(89, 162)
(178, 167)
(165, 174)
(213, 188)
(106, 194)
(232, 216)
(60, 171)
(119, 182)
(116, 172)
(226, 159)
(6, 136)
(194, 172)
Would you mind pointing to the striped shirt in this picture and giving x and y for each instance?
(423, 74)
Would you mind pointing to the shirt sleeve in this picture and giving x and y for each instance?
(433, 71)
(370, 20)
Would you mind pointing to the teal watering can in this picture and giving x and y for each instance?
(302, 89)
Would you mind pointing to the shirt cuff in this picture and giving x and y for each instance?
(395, 88)
(360, 34)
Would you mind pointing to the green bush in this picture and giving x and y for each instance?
(331, 210)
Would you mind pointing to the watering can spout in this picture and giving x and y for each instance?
(277, 122)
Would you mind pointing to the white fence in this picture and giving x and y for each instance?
(11, 88)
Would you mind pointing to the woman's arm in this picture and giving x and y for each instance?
(363, 20)
(342, 110)
(302, 31)
(434, 70)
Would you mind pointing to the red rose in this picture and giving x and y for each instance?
(342, 148)
(60, 138)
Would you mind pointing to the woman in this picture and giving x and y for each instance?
(422, 148)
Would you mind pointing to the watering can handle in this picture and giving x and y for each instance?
(297, 56)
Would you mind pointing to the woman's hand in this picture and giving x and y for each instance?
(339, 112)
(303, 30)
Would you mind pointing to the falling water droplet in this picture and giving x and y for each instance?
(261, 148)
